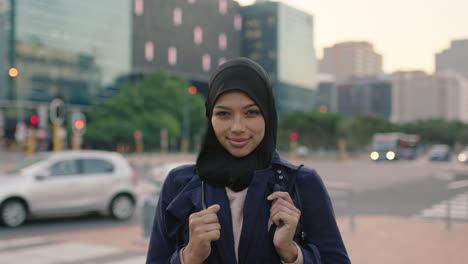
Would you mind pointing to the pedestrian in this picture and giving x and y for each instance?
(240, 202)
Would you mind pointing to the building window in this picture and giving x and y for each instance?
(222, 7)
(191, 1)
(206, 62)
(198, 35)
(149, 51)
(222, 41)
(221, 60)
(271, 20)
(237, 22)
(177, 16)
(172, 55)
(138, 7)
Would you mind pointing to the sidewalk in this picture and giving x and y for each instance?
(377, 239)
(385, 240)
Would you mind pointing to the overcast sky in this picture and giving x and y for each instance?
(406, 32)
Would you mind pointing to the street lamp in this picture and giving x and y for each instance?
(13, 72)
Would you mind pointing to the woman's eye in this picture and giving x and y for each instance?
(253, 112)
(222, 113)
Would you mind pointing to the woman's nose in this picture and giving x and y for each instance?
(238, 124)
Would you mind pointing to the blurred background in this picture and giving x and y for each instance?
(110, 94)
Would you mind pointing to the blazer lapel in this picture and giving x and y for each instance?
(225, 245)
(254, 234)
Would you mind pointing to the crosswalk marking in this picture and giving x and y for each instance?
(458, 208)
(20, 242)
(45, 251)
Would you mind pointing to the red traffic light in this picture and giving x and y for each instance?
(34, 120)
(192, 89)
(293, 136)
(79, 124)
(137, 135)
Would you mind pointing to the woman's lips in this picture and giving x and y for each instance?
(238, 143)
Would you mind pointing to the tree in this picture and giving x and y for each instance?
(435, 131)
(150, 105)
(315, 129)
(362, 128)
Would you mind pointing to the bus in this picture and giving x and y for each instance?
(395, 146)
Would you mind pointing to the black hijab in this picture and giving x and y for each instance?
(215, 164)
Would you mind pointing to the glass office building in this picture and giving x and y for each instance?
(281, 39)
(185, 38)
(72, 49)
(4, 48)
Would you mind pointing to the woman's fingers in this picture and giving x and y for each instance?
(281, 204)
(204, 225)
(280, 195)
(283, 209)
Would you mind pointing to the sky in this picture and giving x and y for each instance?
(407, 33)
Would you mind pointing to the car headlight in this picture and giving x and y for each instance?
(462, 157)
(390, 155)
(374, 155)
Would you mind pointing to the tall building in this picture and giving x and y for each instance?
(357, 96)
(417, 95)
(454, 59)
(185, 38)
(281, 39)
(365, 96)
(351, 59)
(71, 49)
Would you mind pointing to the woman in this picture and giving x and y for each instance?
(238, 203)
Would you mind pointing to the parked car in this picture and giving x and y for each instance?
(68, 183)
(439, 152)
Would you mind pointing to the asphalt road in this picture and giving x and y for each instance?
(401, 188)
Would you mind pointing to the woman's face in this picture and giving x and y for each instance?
(238, 123)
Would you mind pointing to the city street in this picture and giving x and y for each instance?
(389, 190)
(402, 188)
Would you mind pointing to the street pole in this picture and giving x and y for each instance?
(185, 124)
(56, 137)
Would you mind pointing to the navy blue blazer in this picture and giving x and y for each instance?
(181, 196)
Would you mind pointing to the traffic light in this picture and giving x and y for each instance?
(34, 120)
(293, 136)
(79, 126)
(78, 123)
(192, 89)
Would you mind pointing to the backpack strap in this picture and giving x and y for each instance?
(273, 257)
(293, 184)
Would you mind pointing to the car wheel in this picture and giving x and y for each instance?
(122, 207)
(13, 213)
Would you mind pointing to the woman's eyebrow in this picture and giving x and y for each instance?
(228, 108)
(250, 105)
(222, 107)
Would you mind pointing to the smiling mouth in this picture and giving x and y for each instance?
(238, 143)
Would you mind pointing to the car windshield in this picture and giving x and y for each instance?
(24, 164)
(384, 145)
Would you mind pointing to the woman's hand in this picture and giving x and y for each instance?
(204, 227)
(285, 216)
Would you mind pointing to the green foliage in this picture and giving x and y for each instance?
(361, 129)
(435, 131)
(153, 104)
(315, 129)
(318, 130)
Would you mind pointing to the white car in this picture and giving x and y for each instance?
(68, 183)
